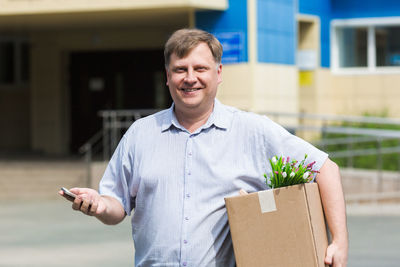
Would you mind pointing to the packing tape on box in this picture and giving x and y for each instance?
(267, 201)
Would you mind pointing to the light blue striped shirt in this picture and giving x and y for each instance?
(176, 181)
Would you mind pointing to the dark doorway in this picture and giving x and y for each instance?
(113, 80)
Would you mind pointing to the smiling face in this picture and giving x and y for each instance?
(193, 81)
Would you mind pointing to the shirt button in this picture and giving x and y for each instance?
(188, 195)
(189, 173)
(187, 218)
(185, 263)
(190, 153)
(185, 241)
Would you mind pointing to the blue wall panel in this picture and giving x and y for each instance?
(276, 25)
(276, 31)
(344, 9)
(230, 26)
(365, 8)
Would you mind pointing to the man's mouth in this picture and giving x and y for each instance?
(188, 90)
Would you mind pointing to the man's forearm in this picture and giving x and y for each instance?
(331, 191)
(114, 212)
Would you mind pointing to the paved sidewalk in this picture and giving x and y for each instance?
(50, 233)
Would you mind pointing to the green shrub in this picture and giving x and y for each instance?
(389, 161)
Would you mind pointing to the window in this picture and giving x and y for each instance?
(353, 47)
(365, 45)
(387, 46)
(7, 62)
(14, 61)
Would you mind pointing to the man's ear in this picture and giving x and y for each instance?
(219, 73)
(167, 74)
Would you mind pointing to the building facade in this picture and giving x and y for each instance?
(63, 61)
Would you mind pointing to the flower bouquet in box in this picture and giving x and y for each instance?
(281, 226)
(286, 172)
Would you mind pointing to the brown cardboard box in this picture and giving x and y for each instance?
(281, 227)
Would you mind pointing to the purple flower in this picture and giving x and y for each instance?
(309, 166)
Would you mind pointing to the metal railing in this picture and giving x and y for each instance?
(101, 145)
(116, 122)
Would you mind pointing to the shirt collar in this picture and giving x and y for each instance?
(220, 117)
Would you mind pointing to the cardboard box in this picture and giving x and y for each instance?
(280, 227)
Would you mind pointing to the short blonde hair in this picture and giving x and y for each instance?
(183, 41)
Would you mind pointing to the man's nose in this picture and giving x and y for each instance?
(190, 76)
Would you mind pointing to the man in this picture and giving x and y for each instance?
(176, 166)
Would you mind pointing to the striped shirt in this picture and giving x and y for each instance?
(176, 181)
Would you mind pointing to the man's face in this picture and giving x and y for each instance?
(193, 80)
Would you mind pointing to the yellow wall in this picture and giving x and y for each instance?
(357, 94)
(236, 88)
(260, 87)
(275, 88)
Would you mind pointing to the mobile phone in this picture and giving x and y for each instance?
(68, 193)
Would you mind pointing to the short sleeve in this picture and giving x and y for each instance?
(279, 142)
(118, 176)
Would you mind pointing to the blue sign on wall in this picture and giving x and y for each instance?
(232, 43)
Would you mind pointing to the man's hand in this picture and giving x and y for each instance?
(87, 200)
(105, 208)
(336, 255)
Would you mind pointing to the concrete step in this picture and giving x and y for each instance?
(22, 180)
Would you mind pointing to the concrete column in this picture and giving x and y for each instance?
(47, 103)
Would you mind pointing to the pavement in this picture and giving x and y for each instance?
(50, 233)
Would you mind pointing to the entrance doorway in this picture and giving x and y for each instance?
(107, 80)
(308, 61)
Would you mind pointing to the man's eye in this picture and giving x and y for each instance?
(180, 70)
(201, 69)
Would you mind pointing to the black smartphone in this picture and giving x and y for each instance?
(68, 193)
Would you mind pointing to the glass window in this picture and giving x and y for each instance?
(7, 61)
(387, 41)
(14, 61)
(352, 45)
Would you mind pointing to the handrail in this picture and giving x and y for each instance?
(378, 196)
(117, 121)
(87, 150)
(349, 140)
(338, 118)
(89, 143)
(108, 136)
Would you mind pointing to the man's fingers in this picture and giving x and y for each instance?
(329, 255)
(86, 201)
(328, 260)
(77, 191)
(86, 205)
(76, 205)
(242, 192)
(93, 207)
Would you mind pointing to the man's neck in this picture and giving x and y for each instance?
(192, 120)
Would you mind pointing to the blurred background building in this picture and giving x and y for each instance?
(61, 62)
(64, 61)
